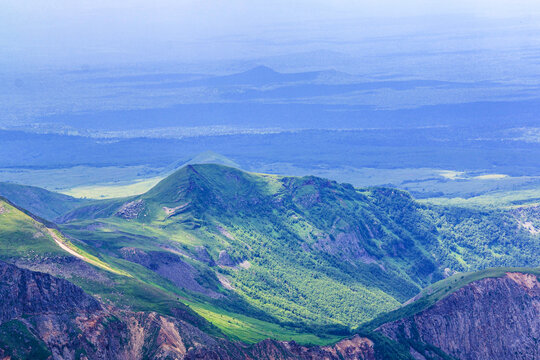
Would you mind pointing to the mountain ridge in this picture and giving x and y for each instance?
(300, 258)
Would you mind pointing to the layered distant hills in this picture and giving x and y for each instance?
(267, 120)
(213, 258)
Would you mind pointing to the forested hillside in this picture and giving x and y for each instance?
(296, 250)
(262, 255)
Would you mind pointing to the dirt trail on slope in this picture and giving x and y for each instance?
(60, 243)
(96, 262)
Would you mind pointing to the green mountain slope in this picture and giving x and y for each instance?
(300, 249)
(36, 244)
(46, 204)
(21, 235)
(299, 258)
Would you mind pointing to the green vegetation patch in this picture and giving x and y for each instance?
(19, 343)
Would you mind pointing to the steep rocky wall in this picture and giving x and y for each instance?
(73, 325)
(493, 318)
(27, 292)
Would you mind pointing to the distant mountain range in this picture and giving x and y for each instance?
(295, 122)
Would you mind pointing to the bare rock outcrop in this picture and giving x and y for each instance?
(69, 324)
(202, 255)
(171, 267)
(131, 210)
(225, 259)
(492, 318)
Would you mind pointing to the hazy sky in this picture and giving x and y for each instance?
(72, 33)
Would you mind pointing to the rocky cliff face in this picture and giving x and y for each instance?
(493, 318)
(28, 293)
(43, 317)
(54, 315)
(357, 348)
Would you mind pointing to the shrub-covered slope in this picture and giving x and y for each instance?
(268, 256)
(301, 250)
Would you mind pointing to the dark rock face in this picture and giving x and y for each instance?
(131, 210)
(346, 245)
(225, 259)
(56, 313)
(171, 267)
(493, 318)
(202, 255)
(27, 292)
(72, 325)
